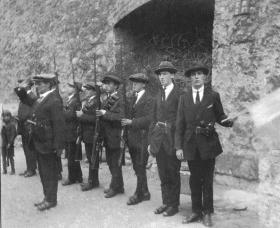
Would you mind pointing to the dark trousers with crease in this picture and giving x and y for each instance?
(48, 169)
(30, 154)
(92, 173)
(139, 161)
(74, 167)
(112, 157)
(169, 174)
(201, 184)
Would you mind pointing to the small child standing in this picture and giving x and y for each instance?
(8, 134)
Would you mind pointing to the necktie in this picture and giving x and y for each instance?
(197, 99)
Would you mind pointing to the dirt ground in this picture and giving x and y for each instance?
(91, 209)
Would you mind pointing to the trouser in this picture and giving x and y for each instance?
(48, 169)
(201, 185)
(169, 174)
(30, 155)
(74, 167)
(92, 173)
(59, 165)
(139, 162)
(8, 156)
(112, 157)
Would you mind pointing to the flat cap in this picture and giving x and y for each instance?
(140, 77)
(45, 78)
(111, 78)
(197, 67)
(166, 66)
(76, 85)
(25, 82)
(89, 86)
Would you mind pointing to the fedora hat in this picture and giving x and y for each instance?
(197, 67)
(166, 66)
(111, 78)
(139, 77)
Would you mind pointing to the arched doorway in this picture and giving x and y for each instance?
(178, 30)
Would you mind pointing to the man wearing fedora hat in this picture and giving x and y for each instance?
(73, 103)
(140, 117)
(87, 119)
(24, 113)
(161, 143)
(111, 114)
(197, 141)
(47, 136)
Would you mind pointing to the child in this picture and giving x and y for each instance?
(8, 134)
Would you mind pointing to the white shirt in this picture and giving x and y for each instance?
(70, 97)
(200, 91)
(139, 95)
(44, 95)
(168, 90)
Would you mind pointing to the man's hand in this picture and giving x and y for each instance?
(126, 122)
(149, 151)
(100, 112)
(59, 152)
(180, 154)
(79, 113)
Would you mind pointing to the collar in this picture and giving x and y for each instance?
(43, 95)
(139, 94)
(91, 98)
(201, 89)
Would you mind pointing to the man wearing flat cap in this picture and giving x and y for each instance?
(87, 119)
(73, 104)
(161, 143)
(111, 114)
(140, 117)
(197, 141)
(47, 136)
(24, 113)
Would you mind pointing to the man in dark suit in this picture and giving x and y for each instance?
(111, 114)
(47, 137)
(161, 143)
(138, 126)
(87, 119)
(197, 141)
(73, 103)
(24, 113)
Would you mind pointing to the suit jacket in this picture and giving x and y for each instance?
(141, 116)
(71, 120)
(48, 134)
(111, 122)
(87, 120)
(24, 113)
(189, 117)
(164, 112)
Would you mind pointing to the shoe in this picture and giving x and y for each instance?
(111, 193)
(135, 199)
(23, 174)
(59, 176)
(170, 211)
(12, 172)
(80, 180)
(38, 203)
(207, 220)
(30, 174)
(88, 186)
(46, 205)
(4, 172)
(146, 196)
(194, 217)
(160, 209)
(67, 182)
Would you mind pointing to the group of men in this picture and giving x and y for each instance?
(173, 126)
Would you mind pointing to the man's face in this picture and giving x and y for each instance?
(89, 93)
(110, 87)
(138, 86)
(6, 118)
(42, 87)
(197, 78)
(165, 78)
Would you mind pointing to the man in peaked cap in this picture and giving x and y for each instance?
(111, 114)
(140, 117)
(197, 141)
(47, 136)
(161, 143)
(87, 119)
(24, 113)
(73, 104)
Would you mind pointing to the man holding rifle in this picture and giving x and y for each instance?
(138, 126)
(87, 119)
(73, 103)
(111, 114)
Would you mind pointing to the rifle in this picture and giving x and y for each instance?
(78, 152)
(96, 138)
(123, 141)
